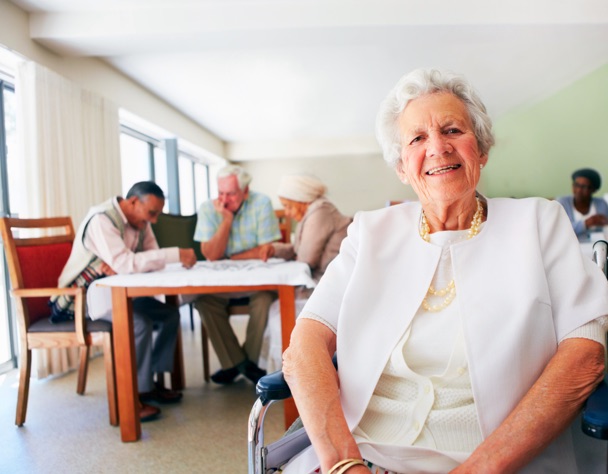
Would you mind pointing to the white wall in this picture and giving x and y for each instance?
(357, 182)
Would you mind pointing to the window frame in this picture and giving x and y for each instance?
(12, 362)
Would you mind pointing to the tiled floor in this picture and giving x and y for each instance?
(68, 433)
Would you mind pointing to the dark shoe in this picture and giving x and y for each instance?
(225, 377)
(253, 372)
(148, 412)
(161, 395)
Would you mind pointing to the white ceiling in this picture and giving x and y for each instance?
(254, 71)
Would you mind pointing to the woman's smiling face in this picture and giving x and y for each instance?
(440, 157)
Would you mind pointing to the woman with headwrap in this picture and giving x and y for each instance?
(318, 235)
(321, 227)
(584, 211)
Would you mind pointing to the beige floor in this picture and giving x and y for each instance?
(68, 433)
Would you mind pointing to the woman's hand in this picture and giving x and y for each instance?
(284, 251)
(598, 220)
(545, 411)
(265, 252)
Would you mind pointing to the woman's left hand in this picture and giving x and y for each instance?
(546, 410)
(265, 252)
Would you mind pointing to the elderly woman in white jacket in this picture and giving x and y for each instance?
(466, 328)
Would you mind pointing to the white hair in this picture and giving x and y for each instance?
(422, 82)
(242, 176)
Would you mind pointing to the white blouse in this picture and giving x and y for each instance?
(424, 397)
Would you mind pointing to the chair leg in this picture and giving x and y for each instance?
(191, 317)
(205, 348)
(24, 386)
(178, 376)
(108, 358)
(83, 369)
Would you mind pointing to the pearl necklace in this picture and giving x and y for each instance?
(449, 291)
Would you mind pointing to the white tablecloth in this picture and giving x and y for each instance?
(218, 273)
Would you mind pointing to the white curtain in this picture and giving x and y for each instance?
(70, 141)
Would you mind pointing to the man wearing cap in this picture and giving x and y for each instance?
(240, 224)
(584, 211)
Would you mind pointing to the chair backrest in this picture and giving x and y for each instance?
(284, 225)
(36, 252)
(173, 230)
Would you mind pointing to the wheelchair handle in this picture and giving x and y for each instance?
(600, 255)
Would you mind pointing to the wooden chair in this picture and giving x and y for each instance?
(35, 263)
(284, 225)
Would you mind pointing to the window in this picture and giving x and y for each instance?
(142, 159)
(145, 157)
(186, 185)
(11, 203)
(193, 184)
(202, 192)
(135, 161)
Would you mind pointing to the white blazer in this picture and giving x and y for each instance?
(522, 285)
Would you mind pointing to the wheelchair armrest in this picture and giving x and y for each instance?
(595, 412)
(274, 387)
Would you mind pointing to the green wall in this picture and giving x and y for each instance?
(538, 147)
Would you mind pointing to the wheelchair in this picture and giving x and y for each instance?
(595, 412)
(267, 459)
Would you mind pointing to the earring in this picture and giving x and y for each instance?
(481, 166)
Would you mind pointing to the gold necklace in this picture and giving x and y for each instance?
(449, 291)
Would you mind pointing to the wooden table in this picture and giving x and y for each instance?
(208, 278)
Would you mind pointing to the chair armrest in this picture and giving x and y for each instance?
(594, 420)
(79, 304)
(39, 292)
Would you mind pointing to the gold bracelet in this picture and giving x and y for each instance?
(354, 462)
(344, 465)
